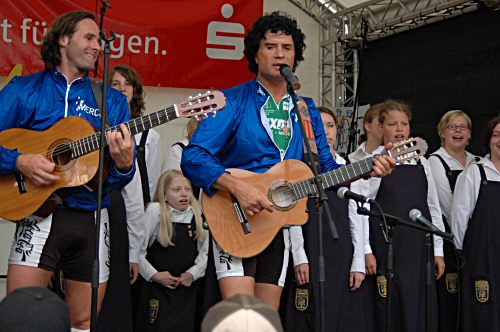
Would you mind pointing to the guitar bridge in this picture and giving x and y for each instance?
(241, 216)
(21, 184)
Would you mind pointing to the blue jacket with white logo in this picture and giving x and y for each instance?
(240, 137)
(39, 100)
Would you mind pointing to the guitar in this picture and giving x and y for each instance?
(72, 144)
(286, 184)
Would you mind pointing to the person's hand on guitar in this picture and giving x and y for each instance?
(383, 165)
(251, 199)
(37, 168)
(121, 147)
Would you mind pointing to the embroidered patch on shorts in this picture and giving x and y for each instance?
(301, 298)
(154, 306)
(482, 290)
(382, 286)
(452, 282)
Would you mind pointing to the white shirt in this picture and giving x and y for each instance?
(152, 225)
(369, 187)
(173, 158)
(466, 194)
(132, 194)
(443, 188)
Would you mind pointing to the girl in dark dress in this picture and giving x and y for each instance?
(174, 257)
(410, 186)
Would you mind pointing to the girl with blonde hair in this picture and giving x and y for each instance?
(173, 257)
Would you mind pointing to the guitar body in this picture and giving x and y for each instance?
(16, 205)
(223, 220)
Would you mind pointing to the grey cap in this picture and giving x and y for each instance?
(34, 309)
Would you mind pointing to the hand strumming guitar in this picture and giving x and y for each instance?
(37, 168)
(251, 200)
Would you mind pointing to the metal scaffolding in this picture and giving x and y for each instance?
(345, 29)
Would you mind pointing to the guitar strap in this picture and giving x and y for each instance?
(306, 122)
(143, 170)
(96, 89)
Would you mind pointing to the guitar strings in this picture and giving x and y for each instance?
(71, 146)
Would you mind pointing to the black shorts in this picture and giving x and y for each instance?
(268, 267)
(63, 241)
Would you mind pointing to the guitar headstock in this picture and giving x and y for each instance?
(202, 105)
(410, 149)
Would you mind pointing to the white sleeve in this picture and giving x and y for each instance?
(442, 185)
(172, 159)
(297, 246)
(434, 208)
(152, 220)
(356, 227)
(152, 161)
(200, 263)
(134, 207)
(464, 202)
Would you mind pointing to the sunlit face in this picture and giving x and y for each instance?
(396, 127)
(495, 143)
(275, 49)
(121, 84)
(178, 195)
(330, 129)
(79, 53)
(456, 134)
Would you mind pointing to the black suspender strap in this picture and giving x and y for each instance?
(143, 170)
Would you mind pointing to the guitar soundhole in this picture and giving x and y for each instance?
(282, 196)
(60, 154)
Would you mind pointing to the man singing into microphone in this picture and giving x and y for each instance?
(259, 128)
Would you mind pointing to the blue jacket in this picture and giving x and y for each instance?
(39, 100)
(240, 137)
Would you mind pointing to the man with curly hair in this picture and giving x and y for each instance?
(258, 129)
(66, 238)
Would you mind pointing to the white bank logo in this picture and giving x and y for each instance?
(82, 107)
(213, 39)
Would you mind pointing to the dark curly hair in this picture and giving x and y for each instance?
(137, 102)
(64, 25)
(488, 132)
(274, 22)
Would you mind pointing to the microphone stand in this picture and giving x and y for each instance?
(102, 143)
(322, 202)
(105, 5)
(389, 222)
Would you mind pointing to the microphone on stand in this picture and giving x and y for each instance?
(289, 76)
(345, 193)
(417, 216)
(106, 4)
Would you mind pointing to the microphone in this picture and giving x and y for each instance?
(106, 4)
(417, 216)
(345, 193)
(289, 76)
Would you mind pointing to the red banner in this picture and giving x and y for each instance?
(171, 43)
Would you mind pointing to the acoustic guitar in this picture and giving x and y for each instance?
(72, 144)
(287, 185)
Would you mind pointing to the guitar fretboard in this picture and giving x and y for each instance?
(138, 125)
(332, 178)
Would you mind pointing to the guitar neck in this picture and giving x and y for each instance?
(135, 126)
(329, 179)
